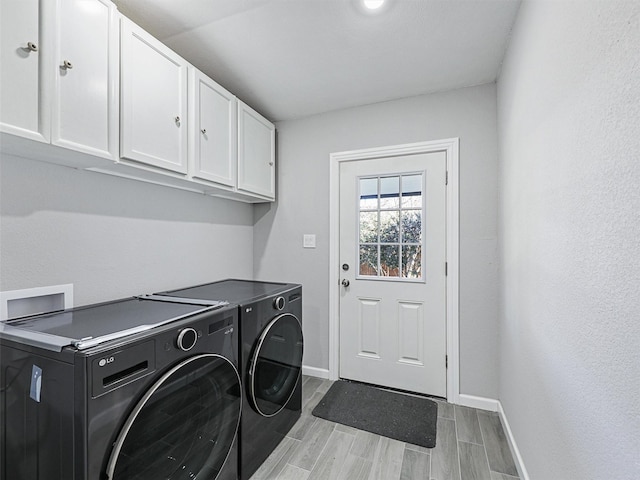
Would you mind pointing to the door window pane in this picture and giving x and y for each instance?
(368, 193)
(412, 226)
(412, 191)
(390, 226)
(389, 261)
(368, 227)
(411, 261)
(369, 260)
(390, 192)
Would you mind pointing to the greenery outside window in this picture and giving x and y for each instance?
(390, 231)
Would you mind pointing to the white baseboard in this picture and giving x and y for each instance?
(493, 405)
(482, 403)
(315, 372)
(522, 471)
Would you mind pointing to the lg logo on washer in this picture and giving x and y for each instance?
(105, 361)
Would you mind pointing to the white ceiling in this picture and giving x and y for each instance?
(293, 58)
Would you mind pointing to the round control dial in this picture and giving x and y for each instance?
(278, 303)
(187, 339)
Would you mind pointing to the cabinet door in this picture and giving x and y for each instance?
(213, 131)
(256, 153)
(85, 104)
(153, 101)
(25, 40)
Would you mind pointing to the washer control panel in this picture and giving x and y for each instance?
(279, 303)
(187, 339)
(114, 368)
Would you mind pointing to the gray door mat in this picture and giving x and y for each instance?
(395, 415)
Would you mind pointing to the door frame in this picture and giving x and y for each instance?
(451, 147)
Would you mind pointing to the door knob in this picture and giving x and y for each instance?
(345, 283)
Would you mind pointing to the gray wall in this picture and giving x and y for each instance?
(113, 237)
(569, 130)
(303, 184)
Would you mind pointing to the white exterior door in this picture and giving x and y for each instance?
(392, 268)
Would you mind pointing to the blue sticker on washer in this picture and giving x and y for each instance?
(36, 383)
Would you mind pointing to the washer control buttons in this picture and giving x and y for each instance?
(187, 339)
(278, 303)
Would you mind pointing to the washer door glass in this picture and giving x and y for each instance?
(184, 426)
(276, 364)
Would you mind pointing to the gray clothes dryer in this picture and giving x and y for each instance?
(271, 347)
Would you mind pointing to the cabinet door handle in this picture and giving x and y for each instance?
(204, 131)
(177, 119)
(67, 65)
(32, 47)
(271, 164)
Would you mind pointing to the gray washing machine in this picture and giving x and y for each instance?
(127, 390)
(271, 347)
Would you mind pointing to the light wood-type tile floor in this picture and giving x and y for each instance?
(470, 445)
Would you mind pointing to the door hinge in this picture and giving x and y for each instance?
(446, 177)
(446, 361)
(446, 268)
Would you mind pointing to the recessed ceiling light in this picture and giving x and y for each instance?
(373, 4)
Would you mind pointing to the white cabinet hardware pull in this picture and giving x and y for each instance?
(32, 47)
(67, 65)
(204, 131)
(177, 121)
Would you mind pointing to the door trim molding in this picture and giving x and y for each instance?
(451, 147)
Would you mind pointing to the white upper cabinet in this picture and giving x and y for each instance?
(153, 121)
(85, 101)
(60, 73)
(25, 47)
(83, 86)
(213, 131)
(256, 153)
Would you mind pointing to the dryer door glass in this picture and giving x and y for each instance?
(184, 426)
(276, 365)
